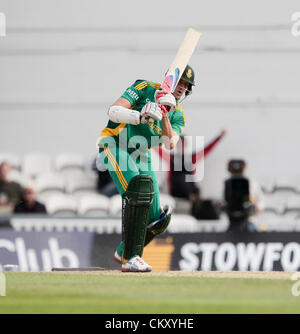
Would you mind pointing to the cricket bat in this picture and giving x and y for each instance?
(181, 59)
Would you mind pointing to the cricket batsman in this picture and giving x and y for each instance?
(143, 117)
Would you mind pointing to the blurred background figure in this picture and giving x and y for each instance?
(178, 185)
(242, 197)
(29, 203)
(183, 164)
(105, 184)
(10, 192)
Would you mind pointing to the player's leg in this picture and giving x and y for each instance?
(138, 196)
(116, 161)
(113, 157)
(159, 217)
(137, 199)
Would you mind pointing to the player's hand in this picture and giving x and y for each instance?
(166, 99)
(151, 112)
(164, 110)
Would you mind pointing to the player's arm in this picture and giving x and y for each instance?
(169, 136)
(172, 125)
(121, 101)
(121, 112)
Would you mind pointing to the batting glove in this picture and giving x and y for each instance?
(151, 112)
(166, 99)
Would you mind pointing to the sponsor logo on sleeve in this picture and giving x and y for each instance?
(132, 94)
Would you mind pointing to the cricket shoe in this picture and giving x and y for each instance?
(136, 264)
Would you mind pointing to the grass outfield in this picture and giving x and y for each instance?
(111, 293)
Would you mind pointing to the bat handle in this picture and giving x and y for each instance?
(167, 108)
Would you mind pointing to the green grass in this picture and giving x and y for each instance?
(42, 293)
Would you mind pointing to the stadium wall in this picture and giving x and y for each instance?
(63, 63)
(33, 251)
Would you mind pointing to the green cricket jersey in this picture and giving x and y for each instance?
(140, 93)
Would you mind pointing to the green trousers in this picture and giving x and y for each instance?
(124, 165)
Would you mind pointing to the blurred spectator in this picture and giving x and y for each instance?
(242, 196)
(179, 187)
(29, 204)
(105, 184)
(10, 192)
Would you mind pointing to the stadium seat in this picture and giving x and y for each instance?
(35, 164)
(61, 205)
(67, 162)
(20, 178)
(287, 182)
(80, 183)
(293, 215)
(267, 215)
(182, 206)
(45, 197)
(90, 174)
(48, 183)
(278, 200)
(115, 205)
(293, 205)
(268, 220)
(267, 183)
(93, 205)
(167, 199)
(12, 159)
(190, 224)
